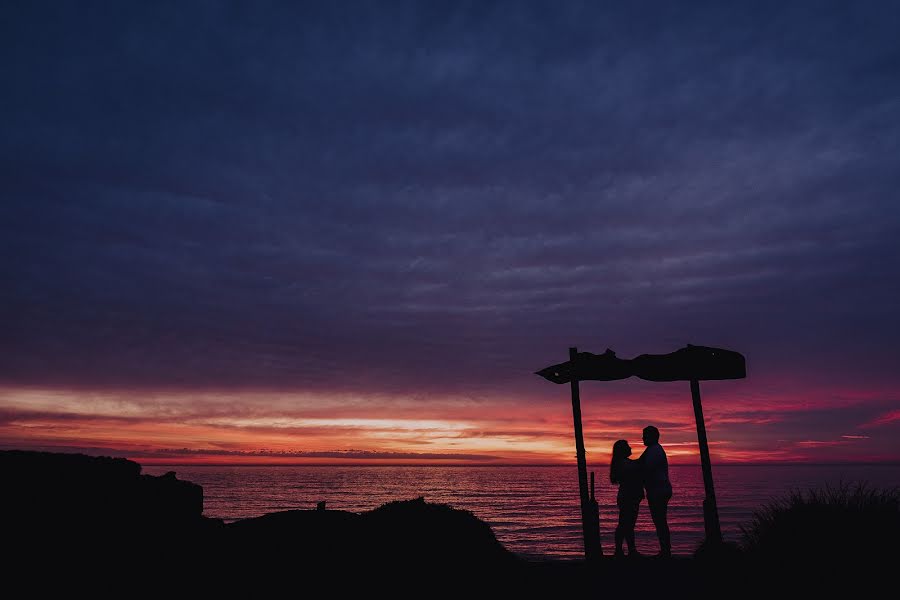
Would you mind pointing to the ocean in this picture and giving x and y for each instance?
(533, 510)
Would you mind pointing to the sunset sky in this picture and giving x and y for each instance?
(350, 232)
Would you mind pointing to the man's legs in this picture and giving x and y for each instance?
(659, 509)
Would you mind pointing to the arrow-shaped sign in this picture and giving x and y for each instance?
(691, 363)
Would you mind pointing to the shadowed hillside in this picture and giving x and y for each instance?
(411, 531)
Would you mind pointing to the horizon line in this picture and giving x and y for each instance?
(892, 463)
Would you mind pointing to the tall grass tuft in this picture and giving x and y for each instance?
(849, 521)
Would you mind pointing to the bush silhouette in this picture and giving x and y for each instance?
(835, 524)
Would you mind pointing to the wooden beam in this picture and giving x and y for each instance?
(710, 510)
(589, 516)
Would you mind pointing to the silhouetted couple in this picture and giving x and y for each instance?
(650, 472)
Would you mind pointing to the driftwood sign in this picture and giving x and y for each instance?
(691, 363)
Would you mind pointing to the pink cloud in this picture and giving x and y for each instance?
(884, 419)
(305, 426)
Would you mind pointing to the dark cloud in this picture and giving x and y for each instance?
(442, 197)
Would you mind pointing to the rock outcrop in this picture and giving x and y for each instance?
(77, 508)
(74, 507)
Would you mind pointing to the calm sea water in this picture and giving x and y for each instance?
(534, 511)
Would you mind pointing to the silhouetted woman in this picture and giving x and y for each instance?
(627, 474)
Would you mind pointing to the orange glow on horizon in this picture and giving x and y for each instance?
(307, 429)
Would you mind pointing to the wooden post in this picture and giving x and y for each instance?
(594, 521)
(588, 512)
(710, 510)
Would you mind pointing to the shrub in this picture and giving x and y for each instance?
(846, 522)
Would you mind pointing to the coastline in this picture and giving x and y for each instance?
(533, 511)
(74, 513)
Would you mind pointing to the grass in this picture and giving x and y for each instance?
(840, 523)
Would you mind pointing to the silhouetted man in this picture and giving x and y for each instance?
(658, 487)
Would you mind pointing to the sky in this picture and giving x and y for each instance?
(351, 232)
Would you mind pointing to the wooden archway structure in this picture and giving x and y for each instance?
(691, 363)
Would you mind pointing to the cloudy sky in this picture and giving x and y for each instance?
(352, 231)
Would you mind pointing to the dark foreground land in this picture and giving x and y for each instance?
(79, 524)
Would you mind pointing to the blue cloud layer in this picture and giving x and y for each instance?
(442, 196)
